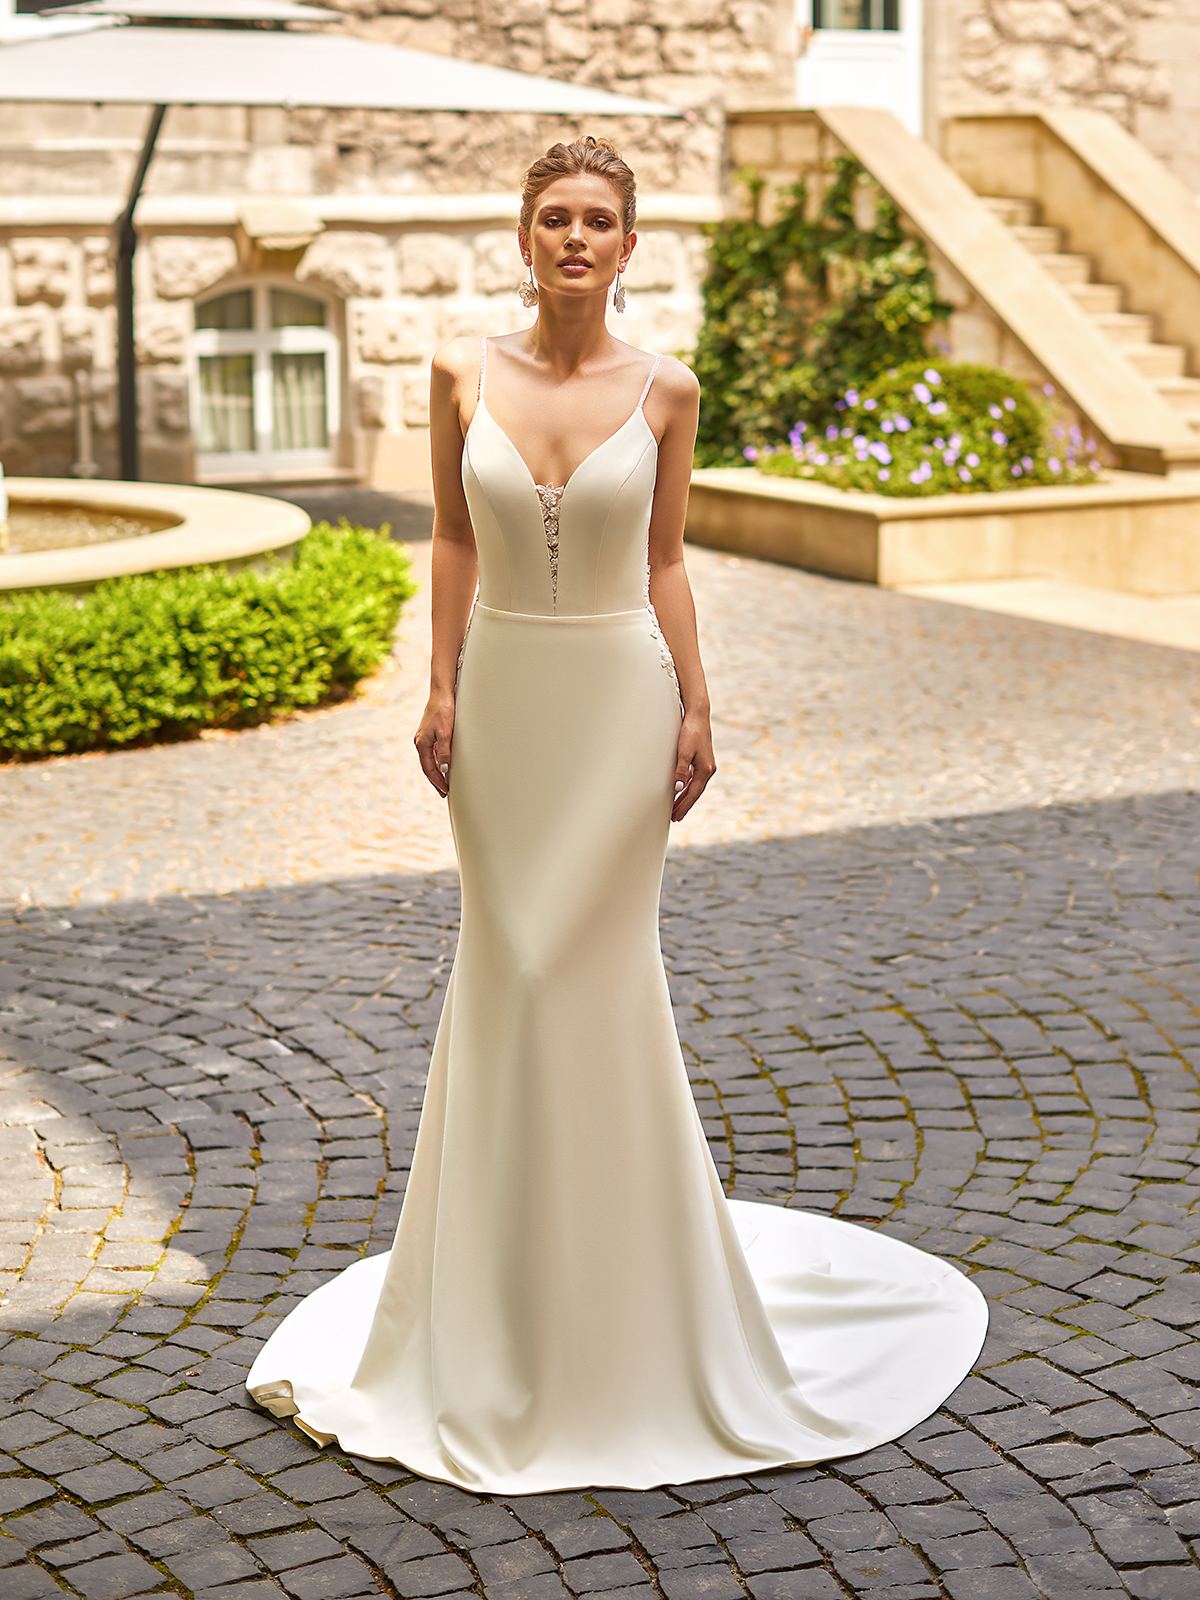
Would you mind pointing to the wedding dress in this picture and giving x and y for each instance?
(570, 1300)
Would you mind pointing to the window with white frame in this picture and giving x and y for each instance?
(265, 381)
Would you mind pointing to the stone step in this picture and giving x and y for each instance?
(1067, 269)
(1155, 361)
(1126, 327)
(1013, 213)
(1182, 394)
(1097, 299)
(1042, 240)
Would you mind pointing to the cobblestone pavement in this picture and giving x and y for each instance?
(837, 705)
(980, 1033)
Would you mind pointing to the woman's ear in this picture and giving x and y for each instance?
(524, 246)
(630, 241)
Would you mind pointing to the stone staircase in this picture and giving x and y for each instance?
(1163, 365)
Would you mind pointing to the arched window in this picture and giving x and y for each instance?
(265, 377)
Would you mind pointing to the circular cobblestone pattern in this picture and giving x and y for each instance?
(979, 1031)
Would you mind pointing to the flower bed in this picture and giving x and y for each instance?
(922, 430)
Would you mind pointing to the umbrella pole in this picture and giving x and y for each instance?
(125, 235)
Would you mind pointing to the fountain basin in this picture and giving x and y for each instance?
(157, 526)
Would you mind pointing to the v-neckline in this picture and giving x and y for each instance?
(637, 411)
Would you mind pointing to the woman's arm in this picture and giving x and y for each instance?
(670, 592)
(455, 568)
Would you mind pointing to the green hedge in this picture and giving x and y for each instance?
(163, 656)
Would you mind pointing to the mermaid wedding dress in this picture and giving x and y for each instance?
(570, 1300)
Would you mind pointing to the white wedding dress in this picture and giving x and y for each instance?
(570, 1300)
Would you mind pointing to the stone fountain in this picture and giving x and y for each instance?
(63, 534)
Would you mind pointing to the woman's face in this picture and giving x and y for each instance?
(576, 240)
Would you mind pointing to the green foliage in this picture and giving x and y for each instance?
(798, 309)
(165, 655)
(922, 430)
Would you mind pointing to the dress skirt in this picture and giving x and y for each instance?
(570, 1300)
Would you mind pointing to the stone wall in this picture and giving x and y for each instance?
(686, 52)
(396, 292)
(1135, 59)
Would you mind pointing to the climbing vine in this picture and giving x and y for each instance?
(800, 309)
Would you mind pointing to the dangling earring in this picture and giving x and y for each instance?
(619, 294)
(529, 291)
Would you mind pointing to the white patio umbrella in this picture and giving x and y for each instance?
(251, 53)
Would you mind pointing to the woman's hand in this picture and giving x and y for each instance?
(694, 765)
(433, 739)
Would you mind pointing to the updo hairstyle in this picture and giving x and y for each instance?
(586, 155)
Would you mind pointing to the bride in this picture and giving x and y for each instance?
(570, 1300)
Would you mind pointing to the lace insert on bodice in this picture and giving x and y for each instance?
(550, 494)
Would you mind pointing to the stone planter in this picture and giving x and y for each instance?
(1128, 532)
(210, 525)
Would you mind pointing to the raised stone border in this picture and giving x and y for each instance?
(1131, 531)
(214, 525)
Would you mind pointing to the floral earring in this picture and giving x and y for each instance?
(529, 291)
(619, 294)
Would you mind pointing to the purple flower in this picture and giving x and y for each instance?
(839, 405)
(950, 457)
(931, 376)
(939, 444)
(972, 459)
(998, 437)
(1054, 464)
(750, 453)
(851, 397)
(821, 458)
(1010, 404)
(995, 412)
(880, 451)
(888, 427)
(1027, 463)
(869, 405)
(916, 477)
(903, 424)
(922, 393)
(1090, 446)
(796, 437)
(860, 441)
(956, 441)
(1095, 466)
(884, 473)
(831, 431)
(1016, 469)
(964, 474)
(1075, 436)
(937, 407)
(1048, 388)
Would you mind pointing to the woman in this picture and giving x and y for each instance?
(570, 1300)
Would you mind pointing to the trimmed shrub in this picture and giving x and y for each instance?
(165, 655)
(923, 430)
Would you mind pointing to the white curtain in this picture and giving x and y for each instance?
(226, 403)
(300, 402)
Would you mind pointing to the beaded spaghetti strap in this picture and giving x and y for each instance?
(483, 367)
(649, 381)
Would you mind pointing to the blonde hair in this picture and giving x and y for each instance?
(586, 155)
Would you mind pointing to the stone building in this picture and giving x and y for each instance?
(297, 267)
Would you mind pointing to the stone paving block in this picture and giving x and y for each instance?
(114, 1578)
(433, 1575)
(615, 1570)
(586, 1536)
(205, 1569)
(30, 1583)
(700, 1583)
(508, 1563)
(773, 1552)
(811, 1584)
(330, 1580)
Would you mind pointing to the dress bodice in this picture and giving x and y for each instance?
(578, 550)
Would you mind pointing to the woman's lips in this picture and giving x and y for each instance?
(575, 266)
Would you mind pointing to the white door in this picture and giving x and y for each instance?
(861, 53)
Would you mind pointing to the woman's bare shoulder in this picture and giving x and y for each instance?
(677, 382)
(458, 358)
